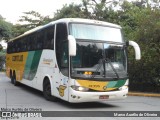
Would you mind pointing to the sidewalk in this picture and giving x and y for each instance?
(143, 94)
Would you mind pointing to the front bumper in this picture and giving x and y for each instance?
(78, 96)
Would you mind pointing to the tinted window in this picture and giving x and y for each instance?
(62, 48)
(49, 38)
(42, 39)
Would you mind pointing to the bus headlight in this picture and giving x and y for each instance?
(79, 88)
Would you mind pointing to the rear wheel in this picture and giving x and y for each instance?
(11, 77)
(14, 80)
(47, 91)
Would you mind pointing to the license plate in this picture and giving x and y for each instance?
(103, 96)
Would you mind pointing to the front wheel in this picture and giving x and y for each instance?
(12, 79)
(47, 91)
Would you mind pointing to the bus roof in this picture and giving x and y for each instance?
(89, 21)
(69, 20)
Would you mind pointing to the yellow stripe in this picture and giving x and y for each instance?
(95, 85)
(16, 62)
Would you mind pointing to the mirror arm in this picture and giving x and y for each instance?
(136, 49)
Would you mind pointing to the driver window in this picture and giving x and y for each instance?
(62, 48)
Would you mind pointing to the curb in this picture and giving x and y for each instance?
(143, 94)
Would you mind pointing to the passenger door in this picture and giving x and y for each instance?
(62, 70)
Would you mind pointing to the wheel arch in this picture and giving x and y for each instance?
(47, 78)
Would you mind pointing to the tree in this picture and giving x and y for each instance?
(5, 29)
(33, 19)
(2, 57)
(140, 23)
(69, 11)
(99, 9)
(29, 21)
(1, 47)
(19, 29)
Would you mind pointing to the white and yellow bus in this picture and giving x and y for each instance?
(77, 60)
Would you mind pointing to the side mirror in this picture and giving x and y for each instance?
(72, 45)
(136, 49)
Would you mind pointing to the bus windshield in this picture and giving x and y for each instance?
(99, 60)
(95, 32)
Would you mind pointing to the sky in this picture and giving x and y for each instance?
(11, 10)
(4, 44)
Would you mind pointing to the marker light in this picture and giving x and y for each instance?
(88, 73)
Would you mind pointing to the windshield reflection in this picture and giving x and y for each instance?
(99, 60)
(95, 32)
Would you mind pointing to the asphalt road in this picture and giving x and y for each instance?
(23, 97)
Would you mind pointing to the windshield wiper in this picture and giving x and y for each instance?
(101, 61)
(108, 61)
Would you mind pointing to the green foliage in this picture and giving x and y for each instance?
(29, 21)
(69, 11)
(2, 57)
(33, 19)
(5, 29)
(1, 47)
(19, 30)
(140, 22)
(143, 27)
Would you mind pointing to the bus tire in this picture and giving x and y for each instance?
(11, 77)
(15, 82)
(47, 90)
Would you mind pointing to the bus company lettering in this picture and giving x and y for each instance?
(17, 58)
(47, 61)
(94, 86)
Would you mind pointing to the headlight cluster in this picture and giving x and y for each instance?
(125, 85)
(79, 88)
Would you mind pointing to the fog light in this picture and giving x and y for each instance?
(123, 88)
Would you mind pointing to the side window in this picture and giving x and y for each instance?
(64, 58)
(12, 47)
(49, 38)
(40, 39)
(9, 48)
(31, 42)
(18, 45)
(62, 48)
(34, 42)
(24, 43)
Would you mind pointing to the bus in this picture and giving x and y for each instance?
(73, 59)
